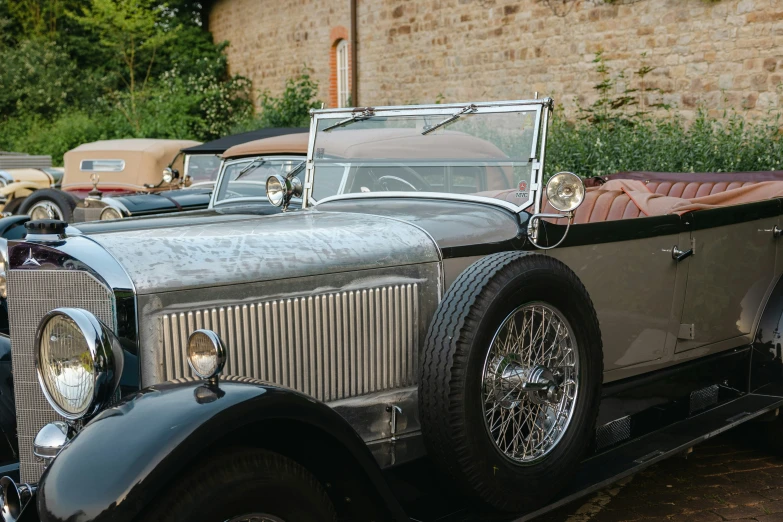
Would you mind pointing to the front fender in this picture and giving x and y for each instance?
(129, 454)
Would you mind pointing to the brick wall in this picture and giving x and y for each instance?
(725, 54)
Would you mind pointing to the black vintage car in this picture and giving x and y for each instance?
(432, 305)
(201, 168)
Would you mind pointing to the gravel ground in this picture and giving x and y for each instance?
(731, 477)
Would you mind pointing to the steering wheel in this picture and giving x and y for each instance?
(380, 181)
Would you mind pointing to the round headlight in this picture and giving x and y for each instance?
(565, 191)
(206, 353)
(79, 362)
(110, 213)
(275, 189)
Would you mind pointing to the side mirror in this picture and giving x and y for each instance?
(565, 191)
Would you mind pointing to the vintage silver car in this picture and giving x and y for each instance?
(426, 312)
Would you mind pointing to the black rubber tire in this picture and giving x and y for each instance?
(242, 481)
(14, 205)
(450, 378)
(64, 201)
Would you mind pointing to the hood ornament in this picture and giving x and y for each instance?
(95, 193)
(31, 261)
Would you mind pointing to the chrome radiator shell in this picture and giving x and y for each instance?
(330, 346)
(34, 293)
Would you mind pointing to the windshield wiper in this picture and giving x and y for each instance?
(455, 117)
(367, 113)
(255, 163)
(296, 170)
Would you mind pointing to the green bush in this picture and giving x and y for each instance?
(292, 107)
(666, 145)
(618, 133)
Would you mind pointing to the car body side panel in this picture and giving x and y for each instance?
(632, 286)
(730, 273)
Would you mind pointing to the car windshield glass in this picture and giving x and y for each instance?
(246, 178)
(203, 167)
(460, 152)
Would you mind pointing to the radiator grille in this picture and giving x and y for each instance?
(33, 293)
(329, 346)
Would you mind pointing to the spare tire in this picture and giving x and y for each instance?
(49, 204)
(510, 380)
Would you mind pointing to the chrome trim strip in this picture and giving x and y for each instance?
(446, 108)
(426, 195)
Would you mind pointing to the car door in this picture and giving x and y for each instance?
(729, 274)
(628, 270)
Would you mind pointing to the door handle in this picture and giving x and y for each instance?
(679, 255)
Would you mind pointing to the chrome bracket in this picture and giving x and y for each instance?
(394, 410)
(533, 228)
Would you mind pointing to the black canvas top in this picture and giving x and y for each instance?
(221, 145)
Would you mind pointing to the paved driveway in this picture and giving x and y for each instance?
(730, 477)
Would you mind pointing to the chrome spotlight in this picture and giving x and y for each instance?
(565, 191)
(281, 189)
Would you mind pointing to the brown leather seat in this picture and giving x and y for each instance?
(610, 205)
(601, 205)
(693, 189)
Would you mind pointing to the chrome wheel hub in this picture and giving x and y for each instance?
(45, 210)
(530, 382)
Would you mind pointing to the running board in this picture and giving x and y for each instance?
(613, 465)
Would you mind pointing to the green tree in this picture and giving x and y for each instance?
(132, 31)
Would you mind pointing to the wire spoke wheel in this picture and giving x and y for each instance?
(530, 382)
(45, 210)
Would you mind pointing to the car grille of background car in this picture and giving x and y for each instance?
(33, 294)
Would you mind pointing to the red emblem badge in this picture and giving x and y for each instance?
(522, 186)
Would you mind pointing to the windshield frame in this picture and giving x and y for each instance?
(214, 202)
(541, 107)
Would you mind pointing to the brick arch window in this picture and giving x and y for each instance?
(340, 69)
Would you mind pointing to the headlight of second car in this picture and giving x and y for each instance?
(79, 362)
(110, 213)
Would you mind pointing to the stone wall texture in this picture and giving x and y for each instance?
(717, 54)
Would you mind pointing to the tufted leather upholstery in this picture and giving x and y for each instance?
(609, 205)
(601, 205)
(693, 189)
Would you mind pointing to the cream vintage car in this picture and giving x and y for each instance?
(431, 331)
(109, 167)
(21, 175)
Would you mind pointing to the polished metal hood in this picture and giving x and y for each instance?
(265, 248)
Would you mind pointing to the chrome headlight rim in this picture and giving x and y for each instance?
(106, 354)
(219, 354)
(565, 180)
(276, 189)
(109, 210)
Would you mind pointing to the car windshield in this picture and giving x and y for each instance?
(460, 151)
(203, 167)
(246, 177)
